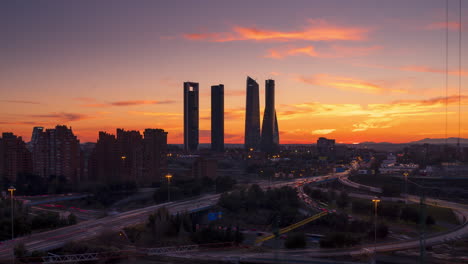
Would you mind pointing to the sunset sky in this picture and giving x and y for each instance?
(353, 70)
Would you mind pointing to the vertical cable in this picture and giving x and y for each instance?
(459, 73)
(446, 69)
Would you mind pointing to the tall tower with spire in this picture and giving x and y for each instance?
(270, 132)
(252, 115)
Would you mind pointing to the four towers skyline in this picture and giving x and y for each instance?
(266, 139)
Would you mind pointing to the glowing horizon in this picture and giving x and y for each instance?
(356, 73)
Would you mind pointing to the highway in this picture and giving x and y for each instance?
(303, 256)
(86, 230)
(56, 238)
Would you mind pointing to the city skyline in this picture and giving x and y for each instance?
(341, 75)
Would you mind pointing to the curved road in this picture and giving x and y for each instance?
(305, 255)
(89, 229)
(56, 238)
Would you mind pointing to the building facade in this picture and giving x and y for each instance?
(129, 157)
(270, 132)
(104, 160)
(191, 112)
(217, 118)
(252, 115)
(154, 155)
(15, 158)
(56, 152)
(129, 144)
(326, 148)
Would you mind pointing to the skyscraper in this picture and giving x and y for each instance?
(217, 118)
(270, 134)
(190, 116)
(252, 115)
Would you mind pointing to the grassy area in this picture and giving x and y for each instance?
(441, 215)
(377, 180)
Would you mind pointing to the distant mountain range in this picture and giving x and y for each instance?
(451, 140)
(376, 145)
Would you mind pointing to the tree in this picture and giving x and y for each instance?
(332, 240)
(382, 230)
(224, 184)
(20, 250)
(391, 211)
(295, 240)
(342, 200)
(361, 207)
(409, 214)
(390, 190)
(430, 220)
(72, 219)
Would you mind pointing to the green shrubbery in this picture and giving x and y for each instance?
(181, 189)
(255, 206)
(24, 222)
(295, 240)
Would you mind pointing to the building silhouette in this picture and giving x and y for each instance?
(217, 118)
(129, 144)
(190, 116)
(154, 155)
(103, 164)
(129, 157)
(326, 148)
(252, 115)
(56, 152)
(270, 133)
(15, 158)
(205, 167)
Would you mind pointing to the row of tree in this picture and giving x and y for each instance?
(256, 206)
(25, 223)
(391, 211)
(185, 188)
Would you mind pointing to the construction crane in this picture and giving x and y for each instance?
(291, 227)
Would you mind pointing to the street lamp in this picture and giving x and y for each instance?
(11, 190)
(375, 201)
(168, 177)
(406, 186)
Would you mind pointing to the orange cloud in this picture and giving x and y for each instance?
(335, 51)
(416, 68)
(451, 25)
(323, 131)
(372, 116)
(347, 84)
(278, 54)
(338, 51)
(155, 114)
(20, 102)
(94, 103)
(316, 30)
(64, 117)
(141, 102)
